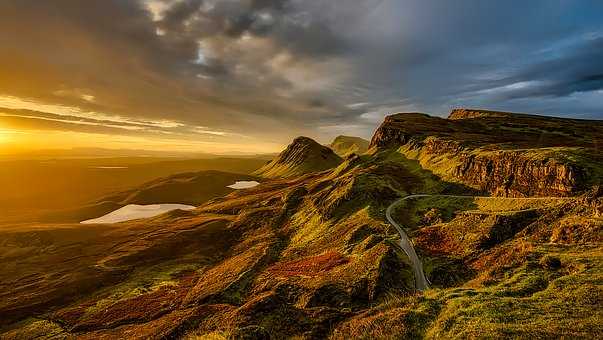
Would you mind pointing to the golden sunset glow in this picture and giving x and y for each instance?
(31, 125)
(4, 136)
(301, 169)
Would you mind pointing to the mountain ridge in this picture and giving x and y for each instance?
(504, 154)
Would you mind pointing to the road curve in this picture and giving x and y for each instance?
(421, 282)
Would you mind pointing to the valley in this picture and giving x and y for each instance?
(482, 225)
(71, 190)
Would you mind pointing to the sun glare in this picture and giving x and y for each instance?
(4, 135)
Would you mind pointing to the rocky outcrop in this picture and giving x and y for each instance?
(302, 156)
(500, 153)
(469, 113)
(401, 128)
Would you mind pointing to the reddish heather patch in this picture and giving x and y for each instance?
(169, 326)
(309, 266)
(70, 316)
(144, 307)
(436, 242)
(140, 308)
(508, 255)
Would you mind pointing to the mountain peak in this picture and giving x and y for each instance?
(303, 155)
(346, 145)
(304, 140)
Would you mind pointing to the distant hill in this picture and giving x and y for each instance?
(191, 188)
(34, 187)
(187, 188)
(303, 155)
(345, 145)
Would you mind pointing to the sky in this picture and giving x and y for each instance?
(250, 75)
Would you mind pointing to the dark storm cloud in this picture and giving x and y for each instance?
(580, 70)
(280, 68)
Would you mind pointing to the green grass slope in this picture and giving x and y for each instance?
(346, 145)
(302, 156)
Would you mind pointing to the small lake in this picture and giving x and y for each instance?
(243, 185)
(135, 211)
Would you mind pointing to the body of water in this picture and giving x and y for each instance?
(135, 211)
(243, 184)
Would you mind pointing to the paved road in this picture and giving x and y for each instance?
(421, 282)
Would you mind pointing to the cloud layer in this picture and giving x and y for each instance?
(265, 71)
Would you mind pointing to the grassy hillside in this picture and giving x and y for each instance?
(312, 256)
(346, 145)
(302, 156)
(500, 268)
(500, 153)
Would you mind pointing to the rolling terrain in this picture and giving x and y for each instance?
(35, 190)
(191, 188)
(507, 227)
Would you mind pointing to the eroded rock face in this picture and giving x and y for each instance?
(468, 113)
(501, 153)
(513, 175)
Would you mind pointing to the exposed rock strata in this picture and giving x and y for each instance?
(487, 150)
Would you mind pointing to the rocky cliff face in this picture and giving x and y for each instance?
(514, 175)
(501, 153)
(303, 155)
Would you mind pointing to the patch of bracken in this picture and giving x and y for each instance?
(309, 266)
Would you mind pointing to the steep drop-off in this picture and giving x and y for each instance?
(500, 153)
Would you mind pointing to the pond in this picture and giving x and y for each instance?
(243, 185)
(135, 211)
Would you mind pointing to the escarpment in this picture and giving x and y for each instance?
(504, 154)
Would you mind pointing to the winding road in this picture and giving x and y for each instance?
(421, 281)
